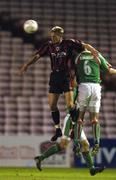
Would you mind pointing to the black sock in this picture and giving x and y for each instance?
(56, 117)
(73, 113)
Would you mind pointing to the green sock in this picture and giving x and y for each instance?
(96, 133)
(89, 160)
(50, 151)
(68, 124)
(77, 132)
(75, 94)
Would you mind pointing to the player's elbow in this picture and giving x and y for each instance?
(63, 144)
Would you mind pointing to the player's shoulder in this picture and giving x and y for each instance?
(69, 40)
(42, 45)
(45, 44)
(73, 41)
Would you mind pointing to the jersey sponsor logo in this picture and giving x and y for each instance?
(58, 55)
(57, 48)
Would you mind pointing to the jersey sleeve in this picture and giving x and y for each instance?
(77, 45)
(103, 63)
(43, 50)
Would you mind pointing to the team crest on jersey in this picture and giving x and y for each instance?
(57, 48)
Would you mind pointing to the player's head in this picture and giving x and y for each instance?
(58, 30)
(56, 34)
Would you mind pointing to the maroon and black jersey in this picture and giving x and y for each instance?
(61, 54)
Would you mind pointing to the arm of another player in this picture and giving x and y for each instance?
(92, 49)
(32, 60)
(105, 65)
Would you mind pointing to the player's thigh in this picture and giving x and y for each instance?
(53, 99)
(83, 95)
(95, 101)
(69, 98)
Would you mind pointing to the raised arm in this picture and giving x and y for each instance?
(92, 49)
(32, 60)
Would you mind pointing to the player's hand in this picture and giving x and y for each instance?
(22, 69)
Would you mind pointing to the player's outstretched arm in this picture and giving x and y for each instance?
(92, 49)
(25, 66)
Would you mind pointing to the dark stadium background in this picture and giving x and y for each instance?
(23, 99)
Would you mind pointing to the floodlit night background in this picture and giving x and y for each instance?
(24, 109)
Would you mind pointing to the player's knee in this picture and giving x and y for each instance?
(63, 144)
(80, 121)
(85, 145)
(94, 121)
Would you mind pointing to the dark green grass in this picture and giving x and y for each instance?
(54, 174)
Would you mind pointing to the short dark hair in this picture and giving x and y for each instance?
(57, 29)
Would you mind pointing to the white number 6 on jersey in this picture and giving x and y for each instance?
(87, 68)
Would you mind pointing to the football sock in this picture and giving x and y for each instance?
(77, 134)
(75, 94)
(50, 151)
(73, 114)
(56, 117)
(68, 125)
(76, 139)
(79, 130)
(88, 158)
(96, 133)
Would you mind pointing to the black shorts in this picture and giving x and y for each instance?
(59, 82)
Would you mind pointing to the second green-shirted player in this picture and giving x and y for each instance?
(88, 71)
(65, 139)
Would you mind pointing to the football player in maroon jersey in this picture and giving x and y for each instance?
(61, 52)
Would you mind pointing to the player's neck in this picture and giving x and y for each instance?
(57, 42)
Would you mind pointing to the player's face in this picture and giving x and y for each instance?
(55, 37)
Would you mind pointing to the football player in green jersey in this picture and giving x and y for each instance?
(89, 98)
(65, 139)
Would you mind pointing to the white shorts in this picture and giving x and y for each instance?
(89, 97)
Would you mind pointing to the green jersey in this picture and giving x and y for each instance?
(88, 68)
